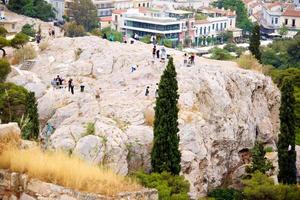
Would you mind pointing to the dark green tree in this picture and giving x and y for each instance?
(31, 130)
(165, 155)
(259, 162)
(28, 30)
(286, 140)
(17, 5)
(255, 42)
(19, 40)
(84, 13)
(4, 69)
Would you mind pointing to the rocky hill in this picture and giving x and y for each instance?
(223, 109)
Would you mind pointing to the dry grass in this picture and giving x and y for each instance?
(44, 45)
(10, 140)
(149, 117)
(57, 167)
(249, 62)
(25, 53)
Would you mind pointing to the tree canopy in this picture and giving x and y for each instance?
(33, 8)
(84, 13)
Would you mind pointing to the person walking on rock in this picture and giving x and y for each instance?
(147, 91)
(70, 83)
(154, 51)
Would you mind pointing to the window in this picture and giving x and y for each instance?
(213, 26)
(208, 29)
(272, 20)
(217, 27)
(221, 26)
(139, 5)
(200, 31)
(225, 24)
(230, 22)
(286, 21)
(293, 22)
(204, 30)
(143, 4)
(276, 20)
(13, 26)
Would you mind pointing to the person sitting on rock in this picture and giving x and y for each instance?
(54, 83)
(134, 67)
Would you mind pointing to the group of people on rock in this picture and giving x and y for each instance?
(147, 92)
(51, 32)
(59, 82)
(159, 53)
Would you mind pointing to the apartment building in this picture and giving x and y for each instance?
(59, 6)
(217, 22)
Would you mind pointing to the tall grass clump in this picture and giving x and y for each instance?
(59, 168)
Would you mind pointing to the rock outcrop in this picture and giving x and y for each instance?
(223, 109)
(20, 186)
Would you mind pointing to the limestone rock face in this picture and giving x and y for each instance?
(223, 109)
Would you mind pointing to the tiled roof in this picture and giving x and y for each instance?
(105, 19)
(291, 11)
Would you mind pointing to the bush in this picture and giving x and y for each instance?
(4, 69)
(168, 43)
(220, 54)
(269, 149)
(146, 39)
(225, 194)
(149, 117)
(3, 31)
(233, 48)
(90, 129)
(74, 30)
(109, 32)
(250, 62)
(96, 32)
(28, 30)
(260, 187)
(12, 102)
(26, 53)
(169, 187)
(19, 40)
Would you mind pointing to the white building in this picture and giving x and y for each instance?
(217, 22)
(59, 6)
(278, 14)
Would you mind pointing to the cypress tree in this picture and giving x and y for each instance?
(165, 155)
(259, 162)
(286, 140)
(255, 42)
(32, 129)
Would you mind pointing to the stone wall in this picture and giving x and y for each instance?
(15, 186)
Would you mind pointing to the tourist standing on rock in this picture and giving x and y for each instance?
(53, 83)
(157, 53)
(185, 59)
(38, 38)
(72, 88)
(147, 91)
(193, 59)
(53, 32)
(154, 51)
(156, 91)
(58, 80)
(70, 82)
(163, 54)
(50, 32)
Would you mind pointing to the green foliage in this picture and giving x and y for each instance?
(225, 194)
(96, 32)
(3, 32)
(33, 8)
(169, 187)
(268, 149)
(259, 162)
(200, 16)
(84, 13)
(90, 129)
(293, 74)
(146, 39)
(74, 30)
(12, 102)
(28, 30)
(220, 54)
(227, 36)
(282, 53)
(112, 33)
(31, 129)
(19, 40)
(242, 19)
(260, 187)
(287, 158)
(4, 69)
(283, 30)
(255, 42)
(168, 43)
(165, 155)
(231, 47)
(3, 43)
